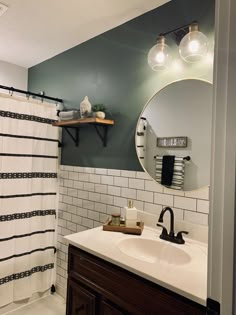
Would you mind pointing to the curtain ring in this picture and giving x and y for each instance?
(42, 93)
(11, 91)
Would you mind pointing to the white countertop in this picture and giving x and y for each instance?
(188, 279)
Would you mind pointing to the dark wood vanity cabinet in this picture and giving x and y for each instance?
(96, 287)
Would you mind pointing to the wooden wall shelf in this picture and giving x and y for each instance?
(75, 124)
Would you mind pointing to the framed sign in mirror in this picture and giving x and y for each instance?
(172, 142)
(176, 122)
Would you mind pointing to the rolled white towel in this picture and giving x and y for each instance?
(69, 115)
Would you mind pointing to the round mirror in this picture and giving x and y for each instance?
(173, 135)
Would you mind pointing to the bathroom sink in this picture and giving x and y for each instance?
(153, 251)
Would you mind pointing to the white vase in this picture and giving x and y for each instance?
(85, 108)
(100, 115)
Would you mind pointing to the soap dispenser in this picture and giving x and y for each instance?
(131, 215)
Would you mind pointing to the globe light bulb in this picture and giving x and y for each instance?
(194, 45)
(159, 55)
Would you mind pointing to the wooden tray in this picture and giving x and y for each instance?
(124, 229)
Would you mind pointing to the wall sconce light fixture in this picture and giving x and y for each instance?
(159, 55)
(194, 45)
(192, 48)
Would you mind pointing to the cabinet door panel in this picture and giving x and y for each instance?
(108, 309)
(79, 300)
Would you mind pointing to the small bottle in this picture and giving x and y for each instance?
(131, 215)
(115, 219)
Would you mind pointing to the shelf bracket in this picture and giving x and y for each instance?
(102, 136)
(74, 138)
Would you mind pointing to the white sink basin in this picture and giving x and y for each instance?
(153, 251)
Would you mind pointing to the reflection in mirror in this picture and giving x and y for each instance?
(182, 109)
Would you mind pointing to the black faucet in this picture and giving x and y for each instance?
(170, 237)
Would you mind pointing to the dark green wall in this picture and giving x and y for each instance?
(112, 69)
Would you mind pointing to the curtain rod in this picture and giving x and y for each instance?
(42, 96)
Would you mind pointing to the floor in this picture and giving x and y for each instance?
(49, 305)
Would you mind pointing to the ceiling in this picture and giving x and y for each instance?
(33, 31)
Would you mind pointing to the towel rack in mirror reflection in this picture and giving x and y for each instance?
(186, 158)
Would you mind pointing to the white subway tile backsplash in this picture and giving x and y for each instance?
(67, 216)
(139, 205)
(128, 193)
(71, 226)
(73, 175)
(152, 208)
(101, 171)
(100, 207)
(145, 195)
(77, 202)
(179, 214)
(103, 217)
(94, 196)
(202, 193)
(173, 192)
(68, 168)
(88, 197)
(67, 199)
(114, 190)
(87, 222)
(79, 185)
(71, 209)
(108, 180)
(76, 219)
(89, 186)
(94, 215)
(196, 218)
(102, 189)
(185, 203)
(89, 170)
(151, 185)
(87, 204)
(63, 207)
(128, 173)
(142, 175)
(81, 228)
(68, 183)
(72, 192)
(82, 212)
(136, 183)
(83, 177)
(96, 224)
(94, 178)
(163, 199)
(107, 199)
(120, 202)
(203, 206)
(82, 194)
(64, 174)
(113, 172)
(121, 181)
(78, 169)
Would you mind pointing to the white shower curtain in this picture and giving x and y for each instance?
(28, 192)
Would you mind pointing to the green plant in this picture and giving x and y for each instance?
(98, 108)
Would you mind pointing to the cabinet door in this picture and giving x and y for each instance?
(80, 301)
(108, 309)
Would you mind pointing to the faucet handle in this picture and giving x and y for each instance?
(164, 230)
(179, 236)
